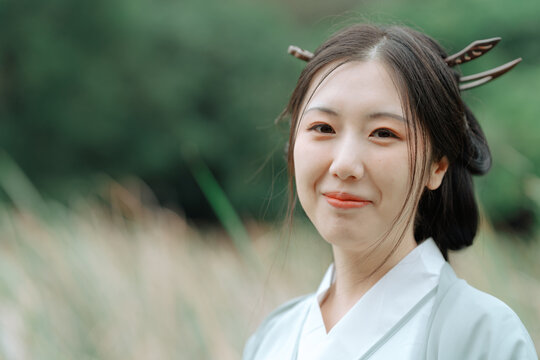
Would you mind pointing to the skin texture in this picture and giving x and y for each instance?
(352, 176)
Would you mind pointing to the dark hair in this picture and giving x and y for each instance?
(436, 114)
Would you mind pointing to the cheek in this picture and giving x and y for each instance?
(393, 176)
(300, 169)
(306, 159)
(309, 166)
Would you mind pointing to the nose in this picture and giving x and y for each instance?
(348, 162)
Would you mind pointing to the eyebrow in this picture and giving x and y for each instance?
(374, 115)
(387, 114)
(322, 109)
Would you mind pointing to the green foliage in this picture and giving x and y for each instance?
(135, 87)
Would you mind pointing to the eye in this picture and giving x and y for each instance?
(322, 128)
(384, 133)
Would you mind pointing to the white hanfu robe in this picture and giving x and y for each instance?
(418, 310)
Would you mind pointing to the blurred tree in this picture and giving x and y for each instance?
(135, 87)
(139, 87)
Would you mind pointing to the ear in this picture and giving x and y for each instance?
(436, 173)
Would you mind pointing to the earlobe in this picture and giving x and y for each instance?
(436, 173)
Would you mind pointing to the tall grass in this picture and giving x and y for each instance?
(119, 279)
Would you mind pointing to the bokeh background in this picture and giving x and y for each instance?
(142, 176)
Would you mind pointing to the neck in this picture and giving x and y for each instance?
(357, 272)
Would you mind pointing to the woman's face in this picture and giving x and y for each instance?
(351, 155)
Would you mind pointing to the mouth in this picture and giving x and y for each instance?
(344, 200)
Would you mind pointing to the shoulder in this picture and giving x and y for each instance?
(467, 323)
(278, 326)
(285, 313)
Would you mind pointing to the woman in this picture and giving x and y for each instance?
(382, 149)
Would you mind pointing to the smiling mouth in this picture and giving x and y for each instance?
(345, 201)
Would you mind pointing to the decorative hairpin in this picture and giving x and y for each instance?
(472, 51)
(475, 50)
(300, 53)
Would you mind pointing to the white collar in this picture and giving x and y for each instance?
(398, 291)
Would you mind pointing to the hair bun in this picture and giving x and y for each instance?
(477, 156)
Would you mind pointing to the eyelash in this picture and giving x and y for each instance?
(319, 128)
(389, 132)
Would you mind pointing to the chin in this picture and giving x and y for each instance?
(345, 238)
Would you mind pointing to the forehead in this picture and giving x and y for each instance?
(354, 86)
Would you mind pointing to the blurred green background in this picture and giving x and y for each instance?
(133, 131)
(97, 89)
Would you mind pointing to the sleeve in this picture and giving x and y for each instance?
(511, 340)
(274, 329)
(473, 325)
(250, 348)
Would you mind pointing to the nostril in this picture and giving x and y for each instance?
(347, 170)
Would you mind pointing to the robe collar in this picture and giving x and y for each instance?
(379, 310)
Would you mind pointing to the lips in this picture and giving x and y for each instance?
(344, 200)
